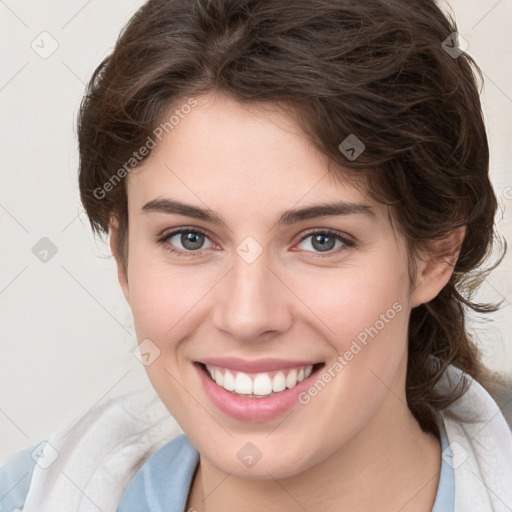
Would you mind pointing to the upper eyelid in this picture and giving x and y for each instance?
(341, 234)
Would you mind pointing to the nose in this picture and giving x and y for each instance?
(253, 303)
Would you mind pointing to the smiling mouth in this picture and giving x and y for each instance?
(262, 384)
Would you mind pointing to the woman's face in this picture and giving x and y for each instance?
(260, 290)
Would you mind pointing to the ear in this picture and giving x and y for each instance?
(435, 266)
(121, 272)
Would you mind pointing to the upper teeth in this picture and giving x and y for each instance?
(259, 384)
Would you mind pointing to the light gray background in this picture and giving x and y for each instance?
(66, 331)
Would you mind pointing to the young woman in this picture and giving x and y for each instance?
(297, 197)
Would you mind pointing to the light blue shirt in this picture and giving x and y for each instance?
(163, 482)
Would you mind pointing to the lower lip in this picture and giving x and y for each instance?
(253, 409)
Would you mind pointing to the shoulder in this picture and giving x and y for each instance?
(15, 478)
(164, 478)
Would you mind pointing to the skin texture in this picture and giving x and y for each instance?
(354, 445)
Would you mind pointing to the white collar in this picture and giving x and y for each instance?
(481, 449)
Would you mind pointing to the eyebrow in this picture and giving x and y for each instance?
(172, 206)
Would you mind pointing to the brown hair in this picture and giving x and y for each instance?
(385, 71)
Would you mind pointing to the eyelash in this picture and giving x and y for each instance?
(192, 254)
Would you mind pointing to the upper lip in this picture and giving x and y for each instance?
(256, 365)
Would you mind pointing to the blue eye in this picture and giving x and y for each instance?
(325, 241)
(192, 241)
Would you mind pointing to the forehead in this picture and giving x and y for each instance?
(254, 155)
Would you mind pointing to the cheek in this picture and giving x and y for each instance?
(165, 303)
(161, 300)
(165, 298)
(363, 314)
(353, 301)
